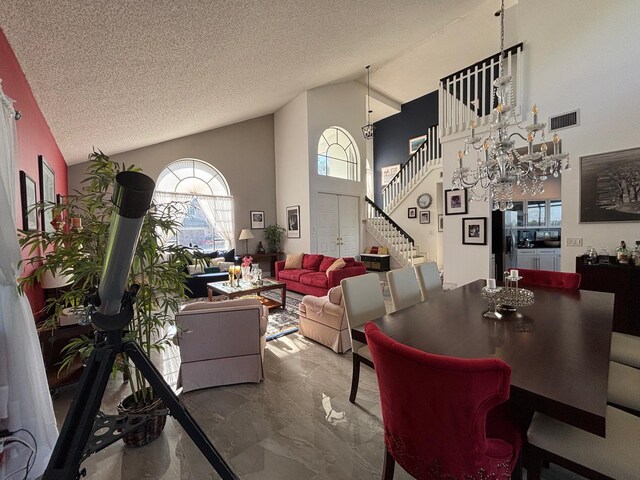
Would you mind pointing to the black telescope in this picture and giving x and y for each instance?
(83, 431)
(132, 193)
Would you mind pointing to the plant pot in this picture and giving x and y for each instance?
(150, 429)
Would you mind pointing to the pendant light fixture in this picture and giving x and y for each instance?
(367, 130)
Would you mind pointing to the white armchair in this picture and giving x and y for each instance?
(221, 343)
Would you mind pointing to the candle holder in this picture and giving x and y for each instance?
(490, 295)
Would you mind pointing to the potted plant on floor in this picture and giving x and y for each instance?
(274, 234)
(78, 248)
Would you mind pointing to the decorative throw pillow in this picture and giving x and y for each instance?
(374, 250)
(367, 250)
(337, 265)
(215, 262)
(311, 261)
(293, 261)
(383, 251)
(326, 263)
(194, 269)
(230, 256)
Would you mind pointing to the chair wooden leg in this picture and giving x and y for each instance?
(516, 474)
(355, 378)
(534, 463)
(389, 466)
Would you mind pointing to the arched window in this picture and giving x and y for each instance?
(338, 155)
(208, 220)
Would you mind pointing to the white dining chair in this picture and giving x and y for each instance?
(615, 455)
(403, 286)
(624, 386)
(363, 302)
(428, 279)
(625, 349)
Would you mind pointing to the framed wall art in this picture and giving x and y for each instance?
(415, 143)
(455, 202)
(28, 199)
(425, 217)
(47, 193)
(257, 219)
(412, 212)
(610, 187)
(474, 231)
(387, 174)
(440, 222)
(293, 221)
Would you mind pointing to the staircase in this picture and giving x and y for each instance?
(418, 166)
(388, 233)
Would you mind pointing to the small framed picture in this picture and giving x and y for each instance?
(440, 222)
(415, 143)
(387, 174)
(455, 202)
(474, 231)
(257, 219)
(425, 216)
(412, 212)
(47, 193)
(293, 221)
(28, 199)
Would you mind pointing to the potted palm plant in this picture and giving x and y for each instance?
(77, 248)
(274, 234)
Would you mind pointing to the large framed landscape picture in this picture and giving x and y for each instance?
(610, 187)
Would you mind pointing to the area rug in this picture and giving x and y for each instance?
(282, 321)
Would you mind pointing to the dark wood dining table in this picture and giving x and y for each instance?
(558, 348)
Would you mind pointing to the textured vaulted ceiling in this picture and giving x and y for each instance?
(120, 75)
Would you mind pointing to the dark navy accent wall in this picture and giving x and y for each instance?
(392, 134)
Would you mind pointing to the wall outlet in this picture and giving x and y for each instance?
(574, 242)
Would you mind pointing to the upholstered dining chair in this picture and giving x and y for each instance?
(403, 286)
(363, 301)
(428, 279)
(614, 456)
(625, 349)
(548, 278)
(442, 416)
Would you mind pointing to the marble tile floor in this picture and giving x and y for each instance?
(297, 423)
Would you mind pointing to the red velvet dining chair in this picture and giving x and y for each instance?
(438, 413)
(548, 278)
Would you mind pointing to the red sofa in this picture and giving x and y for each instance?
(312, 278)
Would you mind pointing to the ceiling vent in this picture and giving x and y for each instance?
(565, 120)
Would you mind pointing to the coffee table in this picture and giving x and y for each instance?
(244, 289)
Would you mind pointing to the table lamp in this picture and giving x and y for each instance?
(245, 234)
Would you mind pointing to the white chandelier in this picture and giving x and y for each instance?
(500, 171)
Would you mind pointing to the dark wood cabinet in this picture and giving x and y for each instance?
(377, 263)
(624, 282)
(52, 342)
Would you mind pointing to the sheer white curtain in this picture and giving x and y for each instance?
(163, 198)
(219, 212)
(24, 393)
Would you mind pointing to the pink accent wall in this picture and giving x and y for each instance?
(34, 137)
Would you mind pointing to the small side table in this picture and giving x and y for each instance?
(375, 262)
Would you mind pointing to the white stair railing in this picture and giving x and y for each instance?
(379, 225)
(413, 171)
(467, 95)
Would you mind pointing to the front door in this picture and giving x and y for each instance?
(338, 227)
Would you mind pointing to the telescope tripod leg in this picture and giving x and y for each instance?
(178, 411)
(78, 424)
